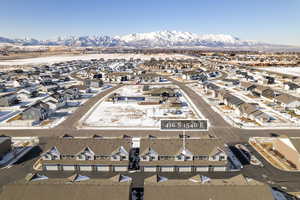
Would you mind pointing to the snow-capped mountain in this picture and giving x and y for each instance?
(175, 38)
(140, 40)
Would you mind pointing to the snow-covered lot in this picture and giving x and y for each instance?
(125, 114)
(295, 71)
(55, 118)
(56, 59)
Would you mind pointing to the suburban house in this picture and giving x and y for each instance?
(27, 93)
(96, 83)
(148, 77)
(159, 187)
(5, 146)
(251, 111)
(36, 112)
(71, 94)
(90, 154)
(191, 75)
(55, 101)
(260, 117)
(162, 92)
(287, 101)
(231, 82)
(21, 83)
(292, 87)
(264, 91)
(212, 88)
(117, 77)
(75, 187)
(269, 80)
(9, 99)
(246, 109)
(247, 86)
(50, 88)
(182, 155)
(202, 77)
(230, 100)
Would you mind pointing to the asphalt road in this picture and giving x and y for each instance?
(219, 127)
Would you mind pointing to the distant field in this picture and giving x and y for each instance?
(62, 58)
(294, 71)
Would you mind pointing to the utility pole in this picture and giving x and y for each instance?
(184, 140)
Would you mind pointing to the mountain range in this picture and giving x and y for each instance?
(167, 39)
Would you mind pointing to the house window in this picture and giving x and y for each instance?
(163, 157)
(200, 157)
(187, 158)
(102, 157)
(152, 158)
(115, 157)
(222, 157)
(54, 157)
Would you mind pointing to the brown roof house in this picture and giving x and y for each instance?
(251, 111)
(182, 155)
(231, 100)
(75, 187)
(201, 187)
(89, 154)
(288, 101)
(247, 86)
(211, 87)
(264, 92)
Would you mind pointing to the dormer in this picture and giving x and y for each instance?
(85, 154)
(184, 155)
(217, 155)
(149, 155)
(120, 154)
(51, 154)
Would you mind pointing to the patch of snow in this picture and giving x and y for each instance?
(294, 71)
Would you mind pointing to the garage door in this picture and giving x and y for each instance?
(219, 169)
(149, 169)
(201, 169)
(51, 167)
(68, 167)
(167, 169)
(85, 168)
(120, 168)
(103, 168)
(184, 169)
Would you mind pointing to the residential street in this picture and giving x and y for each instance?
(219, 127)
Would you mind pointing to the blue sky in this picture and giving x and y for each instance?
(275, 21)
